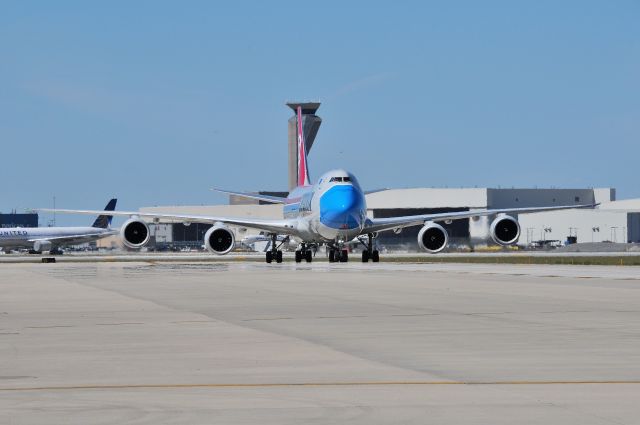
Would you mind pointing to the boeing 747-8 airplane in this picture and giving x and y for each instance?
(38, 239)
(331, 212)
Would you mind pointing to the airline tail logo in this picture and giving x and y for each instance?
(104, 221)
(303, 172)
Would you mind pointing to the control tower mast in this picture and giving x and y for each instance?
(310, 126)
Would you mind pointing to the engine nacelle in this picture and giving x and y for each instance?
(39, 246)
(219, 240)
(505, 230)
(433, 238)
(135, 233)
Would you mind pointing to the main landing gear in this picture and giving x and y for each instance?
(304, 253)
(369, 253)
(274, 252)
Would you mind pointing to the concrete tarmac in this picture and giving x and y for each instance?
(246, 343)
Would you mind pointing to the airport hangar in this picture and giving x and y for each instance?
(612, 221)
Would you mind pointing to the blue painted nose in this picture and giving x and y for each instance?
(341, 207)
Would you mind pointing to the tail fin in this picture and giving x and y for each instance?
(303, 170)
(104, 221)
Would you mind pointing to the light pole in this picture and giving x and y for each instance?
(546, 230)
(530, 235)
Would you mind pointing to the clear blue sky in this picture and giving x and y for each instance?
(155, 102)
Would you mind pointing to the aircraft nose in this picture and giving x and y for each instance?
(340, 207)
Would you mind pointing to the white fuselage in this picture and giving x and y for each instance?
(333, 209)
(24, 237)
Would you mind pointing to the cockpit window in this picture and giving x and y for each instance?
(340, 179)
(346, 179)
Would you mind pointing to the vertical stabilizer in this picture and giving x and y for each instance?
(303, 170)
(104, 221)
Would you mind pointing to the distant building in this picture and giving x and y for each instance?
(241, 200)
(616, 221)
(18, 220)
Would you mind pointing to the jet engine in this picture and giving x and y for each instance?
(39, 246)
(135, 233)
(433, 238)
(219, 240)
(505, 230)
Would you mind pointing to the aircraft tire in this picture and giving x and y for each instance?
(308, 256)
(279, 257)
(375, 256)
(269, 257)
(298, 256)
(332, 255)
(365, 256)
(344, 256)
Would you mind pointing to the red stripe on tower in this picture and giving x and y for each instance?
(303, 176)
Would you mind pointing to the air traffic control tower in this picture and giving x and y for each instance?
(310, 126)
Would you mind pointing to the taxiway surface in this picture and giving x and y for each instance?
(322, 343)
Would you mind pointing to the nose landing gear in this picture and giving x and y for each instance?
(337, 252)
(304, 253)
(338, 255)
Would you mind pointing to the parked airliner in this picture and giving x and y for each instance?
(38, 239)
(331, 212)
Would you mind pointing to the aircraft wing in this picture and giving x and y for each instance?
(269, 225)
(382, 224)
(74, 239)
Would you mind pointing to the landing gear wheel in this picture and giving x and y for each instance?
(269, 257)
(375, 256)
(307, 256)
(344, 256)
(278, 256)
(369, 253)
(365, 256)
(332, 255)
(298, 256)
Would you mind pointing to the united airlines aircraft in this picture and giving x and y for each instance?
(331, 212)
(38, 239)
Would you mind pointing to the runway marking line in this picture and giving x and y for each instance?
(313, 384)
